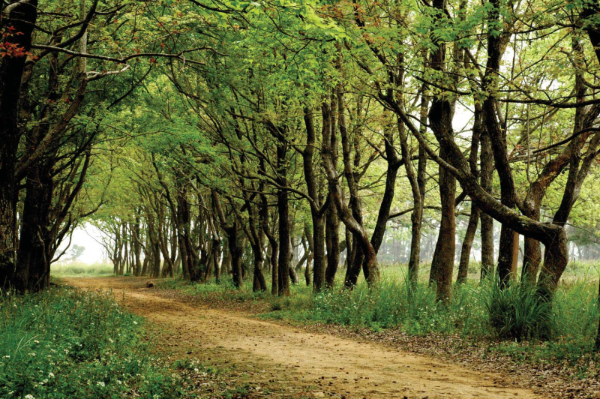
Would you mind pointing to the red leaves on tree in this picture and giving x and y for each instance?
(10, 49)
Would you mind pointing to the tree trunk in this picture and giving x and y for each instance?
(597, 344)
(332, 241)
(22, 17)
(33, 264)
(465, 254)
(284, 241)
(487, 223)
(414, 260)
(444, 262)
(317, 214)
(344, 213)
(137, 246)
(309, 247)
(332, 221)
(258, 283)
(236, 253)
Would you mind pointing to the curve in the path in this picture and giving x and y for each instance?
(300, 362)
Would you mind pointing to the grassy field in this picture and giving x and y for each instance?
(74, 269)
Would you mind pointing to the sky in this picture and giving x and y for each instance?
(88, 237)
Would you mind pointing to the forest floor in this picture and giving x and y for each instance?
(277, 360)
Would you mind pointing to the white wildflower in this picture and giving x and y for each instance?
(29, 397)
(101, 384)
(51, 375)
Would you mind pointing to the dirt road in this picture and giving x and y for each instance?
(295, 363)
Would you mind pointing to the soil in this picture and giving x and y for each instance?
(285, 361)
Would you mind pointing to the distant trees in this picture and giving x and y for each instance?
(75, 252)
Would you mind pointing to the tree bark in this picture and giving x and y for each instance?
(232, 230)
(487, 223)
(236, 253)
(597, 344)
(22, 17)
(496, 43)
(417, 215)
(443, 263)
(317, 214)
(284, 223)
(465, 254)
(332, 219)
(33, 265)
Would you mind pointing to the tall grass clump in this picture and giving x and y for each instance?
(517, 312)
(70, 344)
(574, 322)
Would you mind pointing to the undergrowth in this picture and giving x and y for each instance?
(65, 343)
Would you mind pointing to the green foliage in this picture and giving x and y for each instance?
(70, 344)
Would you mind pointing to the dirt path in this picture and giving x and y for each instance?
(296, 363)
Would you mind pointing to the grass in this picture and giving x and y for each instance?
(77, 269)
(509, 319)
(69, 344)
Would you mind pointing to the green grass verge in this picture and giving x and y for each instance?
(77, 269)
(69, 344)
